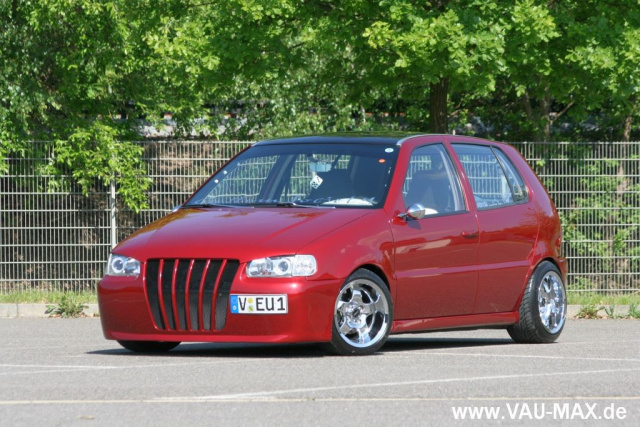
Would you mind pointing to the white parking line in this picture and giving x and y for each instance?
(521, 356)
(264, 394)
(320, 399)
(8, 365)
(46, 369)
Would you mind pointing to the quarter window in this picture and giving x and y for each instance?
(431, 181)
(515, 180)
(489, 184)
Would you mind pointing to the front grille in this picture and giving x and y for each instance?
(189, 294)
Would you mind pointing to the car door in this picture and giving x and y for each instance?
(436, 256)
(508, 226)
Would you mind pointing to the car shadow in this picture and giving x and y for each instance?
(297, 351)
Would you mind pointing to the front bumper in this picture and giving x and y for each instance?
(126, 315)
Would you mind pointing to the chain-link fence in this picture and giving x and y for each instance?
(54, 239)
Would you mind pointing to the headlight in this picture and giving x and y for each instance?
(283, 266)
(119, 265)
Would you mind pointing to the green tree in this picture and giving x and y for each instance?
(68, 69)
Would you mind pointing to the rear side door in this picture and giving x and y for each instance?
(508, 225)
(436, 256)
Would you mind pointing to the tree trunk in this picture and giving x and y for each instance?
(628, 121)
(545, 109)
(438, 97)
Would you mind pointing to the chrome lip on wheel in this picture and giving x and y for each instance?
(552, 303)
(361, 313)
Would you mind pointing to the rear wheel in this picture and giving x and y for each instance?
(362, 315)
(543, 309)
(148, 346)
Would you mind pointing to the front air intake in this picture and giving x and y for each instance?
(189, 294)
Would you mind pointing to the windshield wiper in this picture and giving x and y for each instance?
(288, 205)
(210, 205)
(292, 205)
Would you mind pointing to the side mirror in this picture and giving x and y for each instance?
(176, 208)
(415, 211)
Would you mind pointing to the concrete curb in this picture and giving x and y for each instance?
(38, 310)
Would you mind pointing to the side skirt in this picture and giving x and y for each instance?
(472, 321)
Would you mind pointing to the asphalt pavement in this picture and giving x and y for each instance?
(63, 372)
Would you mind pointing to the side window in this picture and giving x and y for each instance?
(488, 181)
(432, 181)
(516, 182)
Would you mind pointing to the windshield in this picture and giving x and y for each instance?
(330, 175)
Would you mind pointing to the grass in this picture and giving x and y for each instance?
(588, 311)
(579, 298)
(48, 297)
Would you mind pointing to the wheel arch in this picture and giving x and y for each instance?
(532, 271)
(377, 271)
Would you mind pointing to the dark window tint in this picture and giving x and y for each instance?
(431, 180)
(488, 181)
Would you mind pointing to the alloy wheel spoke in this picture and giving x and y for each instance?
(345, 328)
(340, 307)
(356, 296)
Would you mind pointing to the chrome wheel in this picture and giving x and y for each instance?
(362, 313)
(552, 303)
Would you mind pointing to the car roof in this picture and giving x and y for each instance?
(383, 138)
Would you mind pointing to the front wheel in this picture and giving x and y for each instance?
(148, 346)
(543, 309)
(362, 315)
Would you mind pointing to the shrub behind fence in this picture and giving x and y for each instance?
(54, 238)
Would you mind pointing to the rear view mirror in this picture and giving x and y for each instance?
(415, 211)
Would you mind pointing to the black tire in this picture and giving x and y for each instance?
(531, 328)
(148, 346)
(363, 291)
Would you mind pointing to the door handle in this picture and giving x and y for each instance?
(470, 234)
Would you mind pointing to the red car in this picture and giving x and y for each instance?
(345, 239)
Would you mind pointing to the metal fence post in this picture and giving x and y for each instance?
(112, 214)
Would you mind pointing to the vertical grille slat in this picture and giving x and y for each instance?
(181, 286)
(189, 294)
(187, 313)
(151, 285)
(194, 292)
(167, 294)
(207, 296)
(161, 299)
(201, 294)
(174, 296)
(224, 289)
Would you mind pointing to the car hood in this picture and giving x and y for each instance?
(237, 233)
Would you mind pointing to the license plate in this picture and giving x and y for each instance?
(259, 304)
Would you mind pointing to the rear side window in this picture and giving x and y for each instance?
(491, 185)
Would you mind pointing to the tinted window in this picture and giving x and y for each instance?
(431, 180)
(488, 181)
(515, 180)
